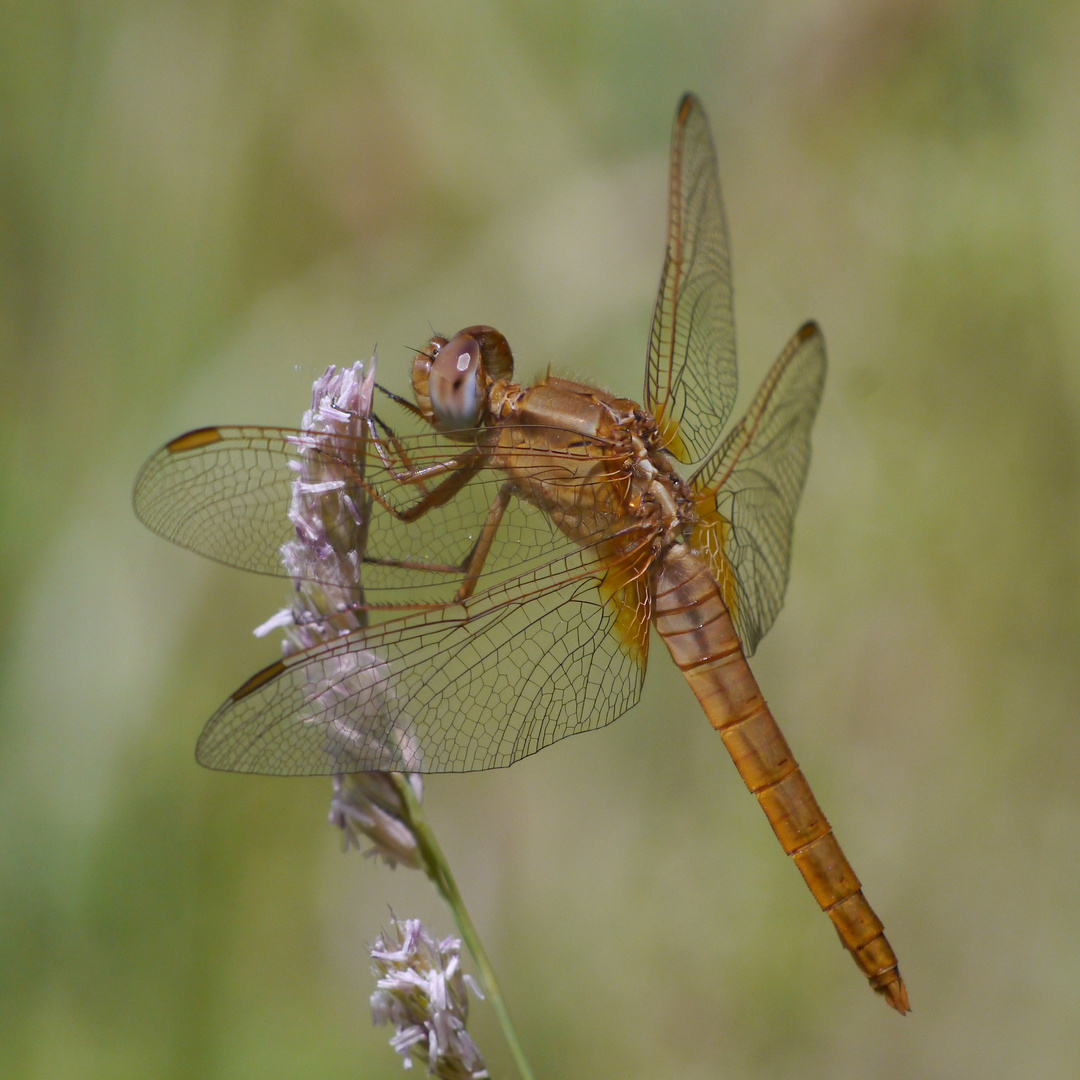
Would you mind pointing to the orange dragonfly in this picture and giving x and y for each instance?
(518, 552)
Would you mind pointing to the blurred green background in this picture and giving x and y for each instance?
(204, 204)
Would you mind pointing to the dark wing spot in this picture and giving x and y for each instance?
(259, 678)
(194, 439)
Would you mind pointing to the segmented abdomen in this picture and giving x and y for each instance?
(691, 617)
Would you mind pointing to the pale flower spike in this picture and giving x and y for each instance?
(370, 804)
(421, 990)
(329, 511)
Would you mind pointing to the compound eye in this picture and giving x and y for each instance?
(456, 384)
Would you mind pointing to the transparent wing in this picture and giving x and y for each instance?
(224, 492)
(691, 378)
(228, 493)
(540, 657)
(747, 493)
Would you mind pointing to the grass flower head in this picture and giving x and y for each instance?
(422, 991)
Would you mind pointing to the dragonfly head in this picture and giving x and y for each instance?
(451, 378)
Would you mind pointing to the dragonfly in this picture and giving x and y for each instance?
(520, 547)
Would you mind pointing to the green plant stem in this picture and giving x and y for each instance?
(438, 870)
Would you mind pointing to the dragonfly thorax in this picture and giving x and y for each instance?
(659, 489)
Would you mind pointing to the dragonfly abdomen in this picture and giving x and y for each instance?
(691, 617)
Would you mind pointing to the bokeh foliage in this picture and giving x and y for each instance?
(203, 204)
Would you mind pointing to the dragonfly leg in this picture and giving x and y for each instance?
(475, 562)
(407, 473)
(443, 492)
(464, 469)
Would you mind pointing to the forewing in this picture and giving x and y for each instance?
(223, 492)
(747, 493)
(533, 660)
(227, 493)
(691, 379)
